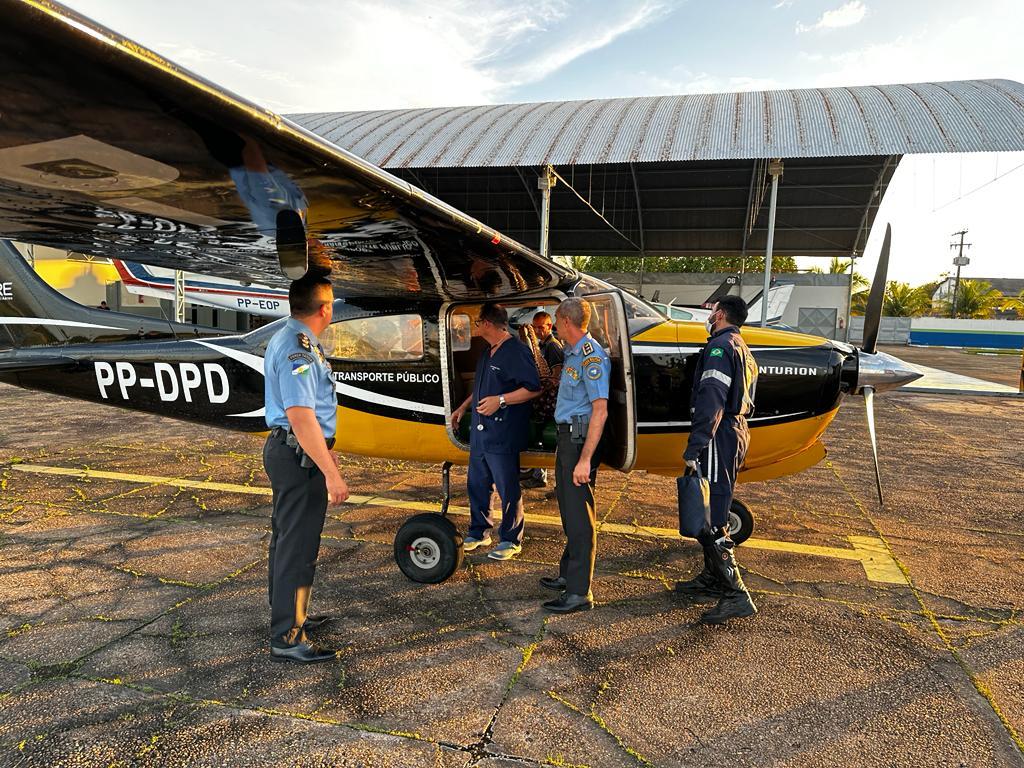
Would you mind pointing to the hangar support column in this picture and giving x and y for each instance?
(544, 184)
(775, 170)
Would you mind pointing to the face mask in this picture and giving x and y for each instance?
(710, 323)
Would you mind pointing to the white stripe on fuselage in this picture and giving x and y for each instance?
(257, 364)
(45, 321)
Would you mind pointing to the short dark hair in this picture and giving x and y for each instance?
(307, 294)
(494, 314)
(734, 308)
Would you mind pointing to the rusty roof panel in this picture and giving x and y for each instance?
(962, 116)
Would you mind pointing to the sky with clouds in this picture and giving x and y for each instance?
(337, 55)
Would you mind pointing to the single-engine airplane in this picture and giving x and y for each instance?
(108, 149)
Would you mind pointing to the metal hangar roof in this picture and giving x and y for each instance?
(684, 175)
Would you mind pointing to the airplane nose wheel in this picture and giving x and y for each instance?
(428, 548)
(741, 521)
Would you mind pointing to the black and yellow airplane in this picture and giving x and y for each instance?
(110, 150)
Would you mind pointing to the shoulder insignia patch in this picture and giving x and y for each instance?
(300, 356)
(303, 340)
(716, 352)
(587, 348)
(594, 372)
(300, 369)
(595, 359)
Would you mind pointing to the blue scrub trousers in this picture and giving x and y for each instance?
(502, 471)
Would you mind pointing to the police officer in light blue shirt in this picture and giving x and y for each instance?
(580, 414)
(301, 411)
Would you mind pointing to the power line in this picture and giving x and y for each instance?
(971, 192)
(596, 212)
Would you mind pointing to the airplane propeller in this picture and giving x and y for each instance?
(872, 324)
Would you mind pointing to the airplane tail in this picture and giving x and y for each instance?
(33, 314)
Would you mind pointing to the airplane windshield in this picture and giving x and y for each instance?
(639, 314)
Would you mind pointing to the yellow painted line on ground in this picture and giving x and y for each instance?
(870, 552)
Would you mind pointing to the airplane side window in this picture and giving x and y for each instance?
(462, 333)
(375, 339)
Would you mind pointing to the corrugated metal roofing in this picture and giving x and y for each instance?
(963, 116)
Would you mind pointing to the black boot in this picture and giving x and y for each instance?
(704, 587)
(735, 602)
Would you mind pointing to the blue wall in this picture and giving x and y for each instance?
(959, 338)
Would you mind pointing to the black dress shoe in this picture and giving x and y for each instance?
(301, 653)
(315, 620)
(557, 583)
(569, 603)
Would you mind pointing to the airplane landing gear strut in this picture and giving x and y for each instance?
(428, 546)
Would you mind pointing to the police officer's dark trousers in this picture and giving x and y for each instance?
(579, 516)
(300, 507)
(488, 468)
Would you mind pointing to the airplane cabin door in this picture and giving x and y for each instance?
(609, 328)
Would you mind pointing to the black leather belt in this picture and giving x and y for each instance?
(281, 433)
(562, 427)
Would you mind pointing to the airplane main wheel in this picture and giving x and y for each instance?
(428, 548)
(741, 521)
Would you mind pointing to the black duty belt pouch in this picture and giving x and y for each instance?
(694, 503)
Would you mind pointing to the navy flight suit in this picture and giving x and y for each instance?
(722, 399)
(496, 441)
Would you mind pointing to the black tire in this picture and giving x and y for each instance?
(741, 521)
(428, 548)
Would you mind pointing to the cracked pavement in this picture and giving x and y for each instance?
(133, 615)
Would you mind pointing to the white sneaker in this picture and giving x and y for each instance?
(470, 543)
(505, 551)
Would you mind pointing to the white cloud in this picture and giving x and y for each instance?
(846, 15)
(338, 55)
(782, 4)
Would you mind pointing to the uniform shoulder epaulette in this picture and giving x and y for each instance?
(587, 349)
(303, 340)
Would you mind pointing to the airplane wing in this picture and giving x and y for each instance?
(106, 148)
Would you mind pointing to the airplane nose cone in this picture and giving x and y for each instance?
(883, 372)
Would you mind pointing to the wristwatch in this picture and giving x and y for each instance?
(501, 401)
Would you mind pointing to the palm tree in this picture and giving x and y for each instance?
(975, 299)
(1016, 303)
(839, 267)
(903, 301)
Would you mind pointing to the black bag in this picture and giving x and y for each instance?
(694, 503)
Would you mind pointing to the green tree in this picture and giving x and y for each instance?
(974, 299)
(839, 267)
(631, 264)
(903, 301)
(1016, 303)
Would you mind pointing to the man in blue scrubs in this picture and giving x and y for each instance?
(506, 380)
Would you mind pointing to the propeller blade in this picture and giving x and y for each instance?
(869, 407)
(873, 313)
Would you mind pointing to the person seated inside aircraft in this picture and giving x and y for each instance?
(506, 380)
(551, 350)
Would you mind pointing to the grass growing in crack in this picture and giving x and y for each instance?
(178, 635)
(600, 723)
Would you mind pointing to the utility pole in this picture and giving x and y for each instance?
(959, 261)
